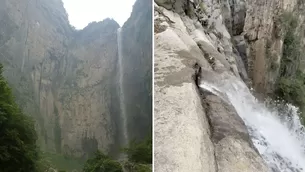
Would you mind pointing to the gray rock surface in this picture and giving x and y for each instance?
(234, 150)
(194, 130)
(264, 35)
(137, 50)
(66, 78)
(181, 140)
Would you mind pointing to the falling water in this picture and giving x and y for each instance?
(121, 94)
(276, 133)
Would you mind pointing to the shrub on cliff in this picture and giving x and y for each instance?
(140, 152)
(292, 47)
(139, 159)
(290, 84)
(134, 167)
(292, 90)
(102, 163)
(18, 151)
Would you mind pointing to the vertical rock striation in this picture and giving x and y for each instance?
(137, 50)
(264, 32)
(66, 79)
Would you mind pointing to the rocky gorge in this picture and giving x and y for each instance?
(211, 57)
(67, 79)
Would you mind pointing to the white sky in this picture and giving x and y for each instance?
(82, 12)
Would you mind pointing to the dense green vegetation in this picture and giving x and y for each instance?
(291, 81)
(140, 152)
(292, 47)
(18, 150)
(134, 167)
(139, 159)
(102, 163)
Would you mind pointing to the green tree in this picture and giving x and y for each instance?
(102, 163)
(18, 150)
(290, 82)
(140, 152)
(135, 167)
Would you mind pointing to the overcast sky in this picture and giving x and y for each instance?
(82, 12)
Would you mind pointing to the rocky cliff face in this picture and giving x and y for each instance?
(65, 79)
(264, 33)
(137, 50)
(194, 129)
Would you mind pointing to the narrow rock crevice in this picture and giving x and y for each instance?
(197, 79)
(223, 120)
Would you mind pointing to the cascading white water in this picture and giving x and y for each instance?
(121, 94)
(278, 136)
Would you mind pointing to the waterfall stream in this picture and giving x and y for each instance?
(276, 132)
(121, 93)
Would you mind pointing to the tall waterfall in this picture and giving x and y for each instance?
(121, 93)
(276, 132)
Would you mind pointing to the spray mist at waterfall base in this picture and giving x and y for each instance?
(276, 132)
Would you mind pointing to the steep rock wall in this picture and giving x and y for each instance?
(194, 129)
(264, 32)
(67, 79)
(137, 50)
